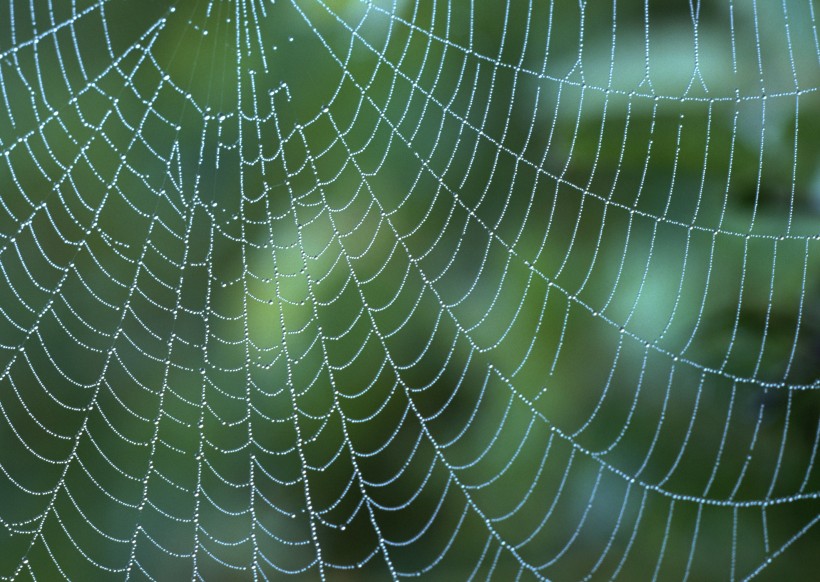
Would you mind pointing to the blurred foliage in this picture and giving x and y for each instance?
(618, 234)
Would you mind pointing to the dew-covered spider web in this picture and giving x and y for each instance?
(460, 289)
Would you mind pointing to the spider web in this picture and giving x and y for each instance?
(499, 289)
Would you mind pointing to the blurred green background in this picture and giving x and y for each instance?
(497, 289)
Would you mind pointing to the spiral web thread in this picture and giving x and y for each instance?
(408, 288)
